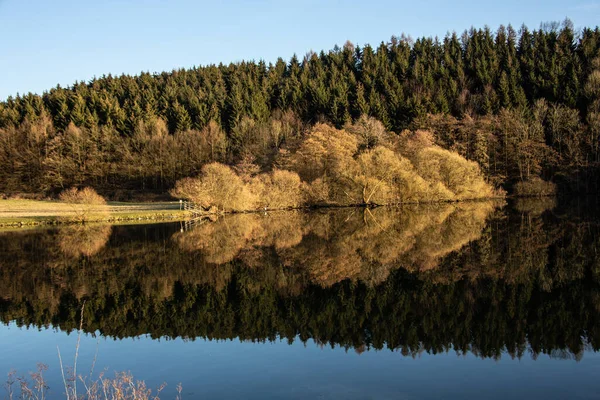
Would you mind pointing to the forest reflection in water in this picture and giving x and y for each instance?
(471, 277)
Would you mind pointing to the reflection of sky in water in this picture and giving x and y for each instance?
(230, 369)
(435, 275)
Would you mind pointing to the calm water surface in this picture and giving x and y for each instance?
(475, 300)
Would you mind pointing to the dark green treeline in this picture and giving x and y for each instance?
(528, 284)
(533, 92)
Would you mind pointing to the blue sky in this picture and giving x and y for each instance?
(44, 43)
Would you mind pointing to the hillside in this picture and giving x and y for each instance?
(525, 105)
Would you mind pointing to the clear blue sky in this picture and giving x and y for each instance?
(49, 42)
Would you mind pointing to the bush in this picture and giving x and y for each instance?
(388, 178)
(460, 176)
(277, 190)
(329, 168)
(369, 132)
(325, 151)
(316, 192)
(84, 202)
(219, 186)
(84, 196)
(534, 187)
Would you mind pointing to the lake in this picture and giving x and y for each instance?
(463, 300)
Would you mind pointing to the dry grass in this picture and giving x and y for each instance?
(34, 208)
(24, 212)
(82, 387)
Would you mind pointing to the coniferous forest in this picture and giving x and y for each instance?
(524, 104)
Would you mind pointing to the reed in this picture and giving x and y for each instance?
(123, 386)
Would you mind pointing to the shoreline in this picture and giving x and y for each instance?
(32, 221)
(24, 213)
(131, 214)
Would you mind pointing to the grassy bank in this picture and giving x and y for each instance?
(42, 212)
(31, 213)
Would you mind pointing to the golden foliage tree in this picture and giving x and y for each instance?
(278, 189)
(461, 177)
(330, 168)
(325, 151)
(369, 132)
(219, 186)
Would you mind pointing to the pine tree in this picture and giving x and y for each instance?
(180, 120)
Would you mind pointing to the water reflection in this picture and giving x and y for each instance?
(86, 240)
(470, 277)
(331, 246)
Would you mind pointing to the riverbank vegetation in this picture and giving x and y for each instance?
(363, 165)
(523, 104)
(84, 202)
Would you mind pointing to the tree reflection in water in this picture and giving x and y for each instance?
(471, 277)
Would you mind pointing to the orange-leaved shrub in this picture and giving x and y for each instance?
(388, 178)
(461, 177)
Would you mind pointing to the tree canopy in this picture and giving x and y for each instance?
(522, 103)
